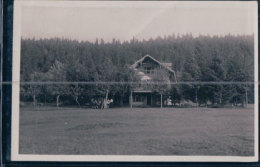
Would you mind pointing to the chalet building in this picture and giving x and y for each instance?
(154, 81)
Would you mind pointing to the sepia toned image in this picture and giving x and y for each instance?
(148, 79)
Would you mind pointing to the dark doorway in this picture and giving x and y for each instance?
(149, 99)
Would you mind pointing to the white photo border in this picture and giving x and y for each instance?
(15, 156)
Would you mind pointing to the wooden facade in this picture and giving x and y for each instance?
(146, 69)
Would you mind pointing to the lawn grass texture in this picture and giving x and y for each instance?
(137, 131)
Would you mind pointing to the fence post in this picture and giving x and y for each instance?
(131, 99)
(161, 101)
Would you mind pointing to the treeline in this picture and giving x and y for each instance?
(195, 59)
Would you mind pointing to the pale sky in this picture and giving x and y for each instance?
(88, 20)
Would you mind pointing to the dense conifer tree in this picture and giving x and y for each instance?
(202, 58)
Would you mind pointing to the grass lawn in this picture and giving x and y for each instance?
(138, 131)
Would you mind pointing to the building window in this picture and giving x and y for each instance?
(138, 98)
(148, 70)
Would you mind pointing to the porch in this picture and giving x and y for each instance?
(145, 99)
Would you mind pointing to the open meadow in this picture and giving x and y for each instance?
(137, 131)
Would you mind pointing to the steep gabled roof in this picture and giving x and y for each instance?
(164, 65)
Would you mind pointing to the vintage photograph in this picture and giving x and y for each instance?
(136, 78)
